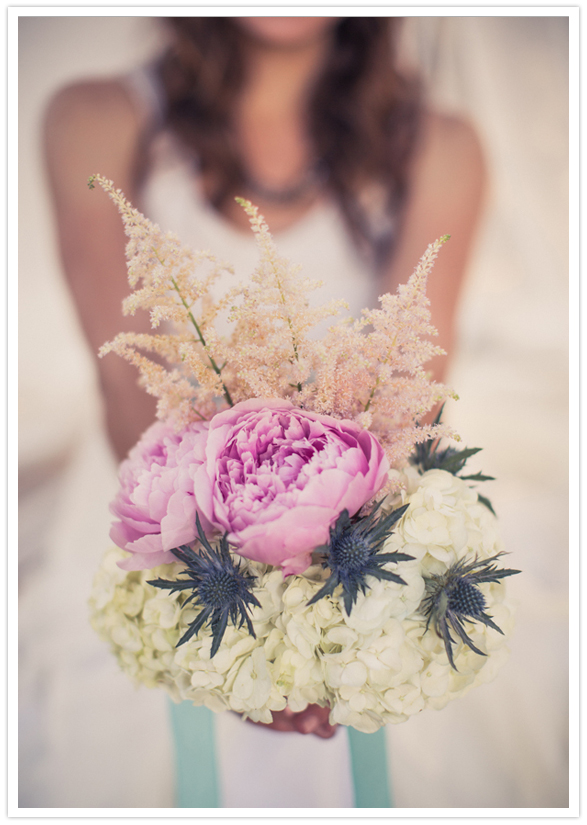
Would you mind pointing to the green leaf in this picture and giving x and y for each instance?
(457, 461)
(477, 477)
(486, 502)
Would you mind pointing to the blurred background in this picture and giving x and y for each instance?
(509, 75)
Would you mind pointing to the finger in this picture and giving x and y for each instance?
(326, 731)
(323, 714)
(281, 725)
(280, 722)
(307, 725)
(312, 718)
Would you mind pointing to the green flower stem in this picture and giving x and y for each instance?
(213, 364)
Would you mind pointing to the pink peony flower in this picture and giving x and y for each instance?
(277, 477)
(155, 503)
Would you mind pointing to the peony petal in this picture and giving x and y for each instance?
(178, 526)
(146, 544)
(296, 565)
(329, 488)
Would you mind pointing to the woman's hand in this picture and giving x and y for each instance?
(313, 719)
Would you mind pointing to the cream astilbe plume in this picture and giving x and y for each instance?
(369, 370)
(163, 275)
(372, 369)
(271, 353)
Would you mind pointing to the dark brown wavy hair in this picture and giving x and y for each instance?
(363, 115)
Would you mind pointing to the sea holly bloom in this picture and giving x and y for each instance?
(155, 505)
(276, 477)
(454, 597)
(353, 553)
(218, 586)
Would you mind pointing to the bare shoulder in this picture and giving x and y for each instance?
(450, 130)
(92, 126)
(91, 103)
(449, 146)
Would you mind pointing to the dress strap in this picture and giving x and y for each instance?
(197, 783)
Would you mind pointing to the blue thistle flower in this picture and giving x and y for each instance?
(454, 597)
(217, 584)
(353, 554)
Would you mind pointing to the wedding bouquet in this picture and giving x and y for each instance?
(288, 533)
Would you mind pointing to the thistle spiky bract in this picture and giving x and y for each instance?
(353, 553)
(453, 597)
(217, 584)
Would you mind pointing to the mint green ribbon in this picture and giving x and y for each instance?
(197, 783)
(369, 768)
(195, 756)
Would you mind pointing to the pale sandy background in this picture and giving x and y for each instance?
(511, 371)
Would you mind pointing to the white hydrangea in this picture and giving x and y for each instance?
(377, 666)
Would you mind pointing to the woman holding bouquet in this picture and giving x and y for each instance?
(312, 120)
